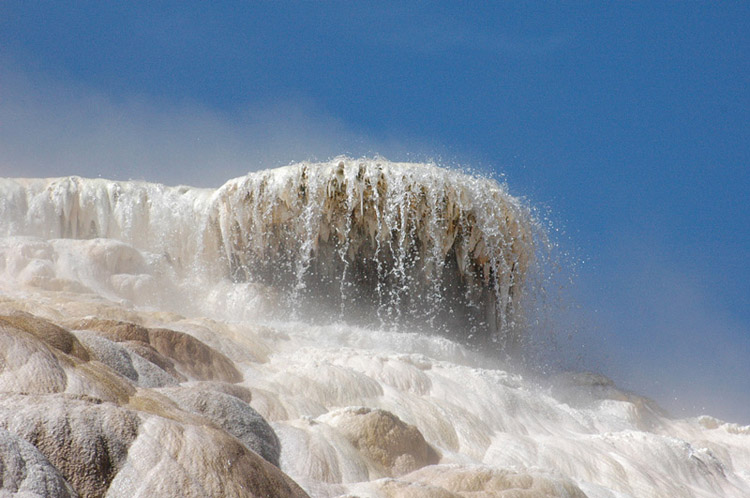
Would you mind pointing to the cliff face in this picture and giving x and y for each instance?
(387, 242)
(372, 242)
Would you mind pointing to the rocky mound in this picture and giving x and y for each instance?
(79, 417)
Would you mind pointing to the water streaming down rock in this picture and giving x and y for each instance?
(105, 390)
(400, 243)
(377, 242)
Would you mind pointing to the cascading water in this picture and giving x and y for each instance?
(303, 293)
(401, 243)
(383, 243)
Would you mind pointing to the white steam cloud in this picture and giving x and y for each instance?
(49, 129)
(662, 330)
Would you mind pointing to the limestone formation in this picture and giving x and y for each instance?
(147, 351)
(124, 361)
(85, 439)
(236, 390)
(27, 364)
(231, 414)
(25, 471)
(394, 446)
(134, 360)
(392, 488)
(193, 357)
(48, 332)
(114, 330)
(73, 407)
(477, 481)
(384, 242)
(355, 235)
(173, 459)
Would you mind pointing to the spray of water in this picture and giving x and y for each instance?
(389, 248)
(369, 241)
(385, 242)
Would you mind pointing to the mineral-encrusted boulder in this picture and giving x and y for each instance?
(231, 414)
(85, 439)
(27, 364)
(120, 358)
(53, 335)
(392, 488)
(147, 351)
(478, 481)
(170, 458)
(236, 390)
(79, 416)
(25, 471)
(191, 356)
(114, 330)
(396, 447)
(197, 359)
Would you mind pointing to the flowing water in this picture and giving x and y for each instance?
(353, 286)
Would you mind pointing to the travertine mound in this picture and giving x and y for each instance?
(194, 358)
(394, 446)
(392, 488)
(170, 458)
(27, 364)
(394, 242)
(381, 242)
(148, 352)
(114, 330)
(25, 471)
(111, 314)
(77, 417)
(236, 390)
(85, 439)
(475, 481)
(231, 414)
(48, 332)
(197, 359)
(123, 360)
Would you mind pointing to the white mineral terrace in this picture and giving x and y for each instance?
(151, 344)
(384, 241)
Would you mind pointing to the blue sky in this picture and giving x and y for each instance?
(627, 123)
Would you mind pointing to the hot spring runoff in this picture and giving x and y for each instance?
(349, 328)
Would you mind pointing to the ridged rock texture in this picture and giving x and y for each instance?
(330, 329)
(387, 242)
(394, 447)
(25, 471)
(78, 417)
(372, 241)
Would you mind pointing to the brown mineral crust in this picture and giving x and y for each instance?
(193, 357)
(148, 352)
(477, 481)
(199, 360)
(397, 447)
(48, 333)
(114, 330)
(85, 439)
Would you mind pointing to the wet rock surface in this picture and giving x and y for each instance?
(231, 414)
(85, 439)
(194, 358)
(337, 301)
(398, 448)
(25, 471)
(79, 415)
(476, 481)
